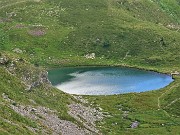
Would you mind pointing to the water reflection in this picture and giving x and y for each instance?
(106, 80)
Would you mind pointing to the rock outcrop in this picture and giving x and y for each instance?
(4, 60)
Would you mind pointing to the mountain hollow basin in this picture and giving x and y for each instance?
(106, 80)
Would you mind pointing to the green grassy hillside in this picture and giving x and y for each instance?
(40, 34)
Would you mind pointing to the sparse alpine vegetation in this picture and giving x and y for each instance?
(36, 35)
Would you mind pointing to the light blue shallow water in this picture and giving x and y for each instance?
(106, 80)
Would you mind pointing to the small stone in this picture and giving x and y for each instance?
(17, 50)
(135, 124)
(33, 109)
(4, 60)
(90, 56)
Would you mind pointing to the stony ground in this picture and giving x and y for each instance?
(86, 115)
(46, 117)
(53, 124)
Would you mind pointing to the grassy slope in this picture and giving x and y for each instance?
(142, 107)
(12, 86)
(112, 29)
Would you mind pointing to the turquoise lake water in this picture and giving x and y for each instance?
(106, 80)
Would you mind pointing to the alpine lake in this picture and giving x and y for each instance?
(106, 80)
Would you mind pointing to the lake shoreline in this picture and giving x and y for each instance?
(134, 83)
(107, 65)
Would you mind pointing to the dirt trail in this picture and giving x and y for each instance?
(159, 106)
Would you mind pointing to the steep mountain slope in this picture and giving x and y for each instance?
(40, 34)
(147, 31)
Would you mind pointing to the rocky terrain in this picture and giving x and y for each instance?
(45, 117)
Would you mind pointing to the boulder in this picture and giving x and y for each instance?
(17, 50)
(4, 61)
(90, 56)
(135, 124)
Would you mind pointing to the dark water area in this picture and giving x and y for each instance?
(106, 80)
